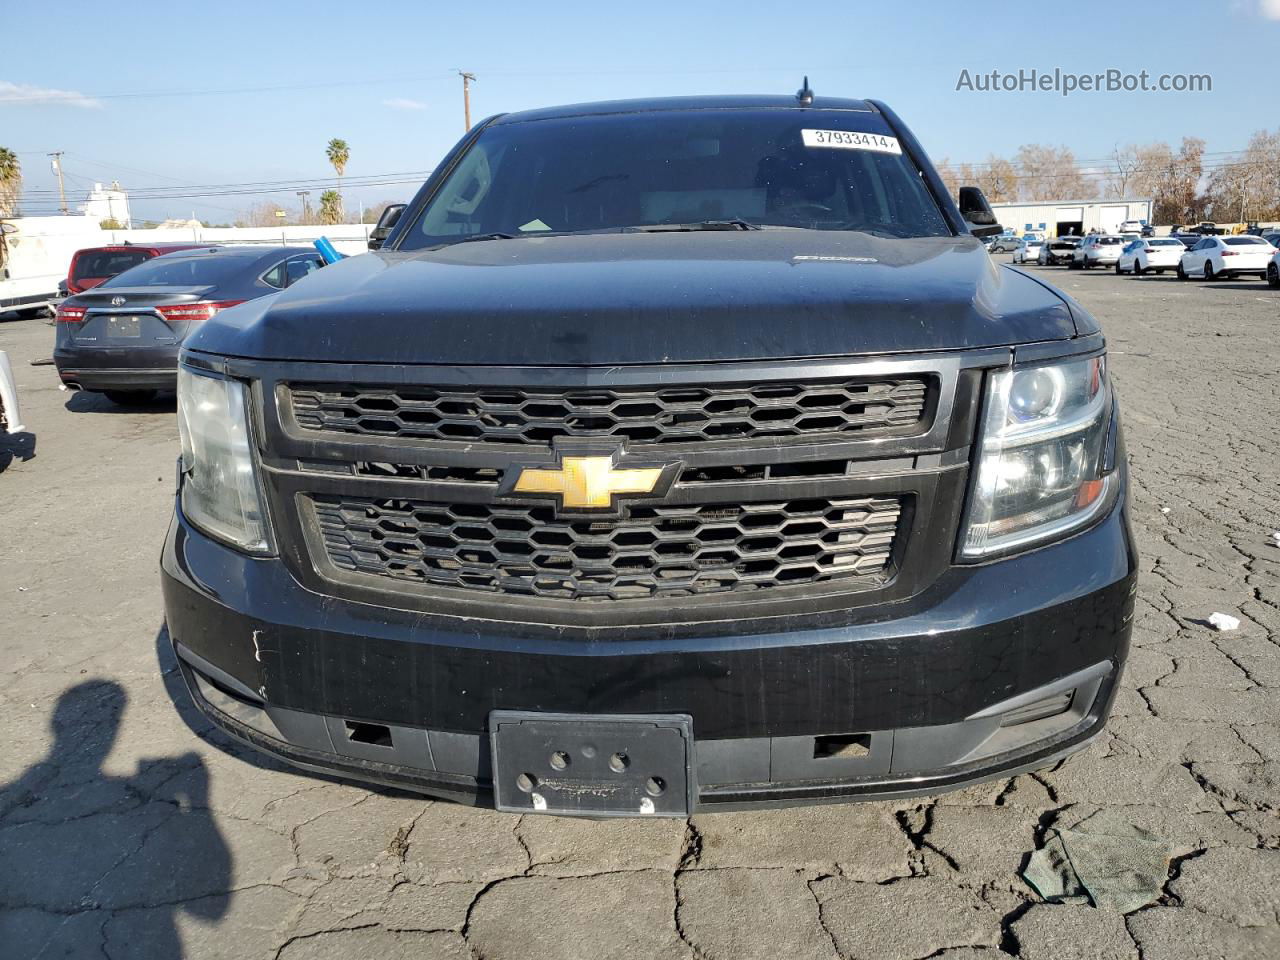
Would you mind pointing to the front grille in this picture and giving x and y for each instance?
(656, 552)
(853, 408)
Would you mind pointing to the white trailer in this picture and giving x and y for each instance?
(34, 255)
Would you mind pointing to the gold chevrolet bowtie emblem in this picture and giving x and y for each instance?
(587, 483)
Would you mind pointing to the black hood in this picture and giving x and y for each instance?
(647, 298)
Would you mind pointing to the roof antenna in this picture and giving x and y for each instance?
(805, 95)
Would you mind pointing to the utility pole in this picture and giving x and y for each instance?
(467, 80)
(56, 161)
(306, 205)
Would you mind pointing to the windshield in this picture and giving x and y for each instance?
(204, 270)
(821, 170)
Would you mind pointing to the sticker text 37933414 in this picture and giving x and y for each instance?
(850, 140)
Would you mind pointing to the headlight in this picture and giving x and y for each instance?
(220, 491)
(1039, 472)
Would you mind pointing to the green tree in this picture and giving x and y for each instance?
(10, 182)
(330, 207)
(338, 153)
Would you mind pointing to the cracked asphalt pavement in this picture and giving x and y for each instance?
(130, 829)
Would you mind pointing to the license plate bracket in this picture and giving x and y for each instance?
(597, 765)
(124, 328)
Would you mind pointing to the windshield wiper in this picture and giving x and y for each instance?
(731, 224)
(489, 236)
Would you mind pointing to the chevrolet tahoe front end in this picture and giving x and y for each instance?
(630, 513)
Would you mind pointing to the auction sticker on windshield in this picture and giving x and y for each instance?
(850, 140)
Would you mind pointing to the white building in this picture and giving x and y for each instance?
(1060, 218)
(108, 203)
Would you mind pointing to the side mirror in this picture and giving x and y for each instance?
(382, 229)
(977, 213)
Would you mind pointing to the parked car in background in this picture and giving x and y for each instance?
(95, 265)
(1131, 226)
(1272, 237)
(1058, 250)
(10, 412)
(1188, 240)
(1220, 257)
(1156, 254)
(1028, 249)
(122, 337)
(1097, 250)
(1004, 243)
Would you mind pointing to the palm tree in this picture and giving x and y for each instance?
(338, 153)
(330, 208)
(10, 182)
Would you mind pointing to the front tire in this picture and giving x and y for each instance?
(130, 398)
(1208, 270)
(1273, 276)
(1137, 268)
(1182, 274)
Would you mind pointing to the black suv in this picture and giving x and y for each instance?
(671, 455)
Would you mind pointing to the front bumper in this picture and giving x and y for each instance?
(925, 690)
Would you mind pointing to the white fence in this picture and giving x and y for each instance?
(347, 238)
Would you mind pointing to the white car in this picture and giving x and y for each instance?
(1096, 250)
(1215, 257)
(1131, 226)
(1154, 254)
(1028, 249)
(10, 415)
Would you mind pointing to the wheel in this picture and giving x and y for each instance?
(130, 398)
(1084, 263)
(1208, 270)
(1273, 275)
(1137, 268)
(1182, 274)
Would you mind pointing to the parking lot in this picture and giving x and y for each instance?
(129, 828)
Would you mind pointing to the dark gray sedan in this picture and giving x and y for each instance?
(122, 337)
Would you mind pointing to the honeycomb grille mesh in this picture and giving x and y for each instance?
(656, 552)
(670, 415)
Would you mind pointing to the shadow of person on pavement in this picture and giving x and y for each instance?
(16, 446)
(77, 844)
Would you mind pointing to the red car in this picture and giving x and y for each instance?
(91, 266)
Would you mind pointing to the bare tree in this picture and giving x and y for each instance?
(1122, 166)
(998, 180)
(1172, 180)
(1247, 188)
(264, 215)
(1050, 173)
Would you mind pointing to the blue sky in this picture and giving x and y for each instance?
(380, 75)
